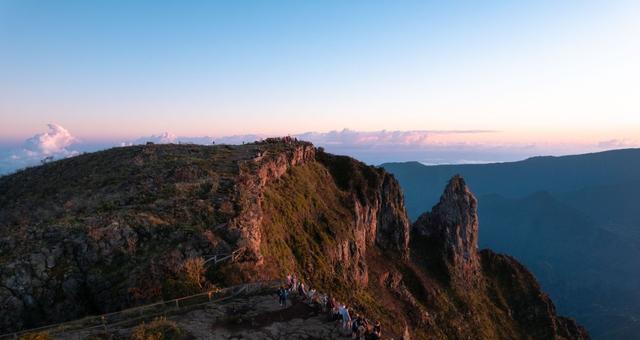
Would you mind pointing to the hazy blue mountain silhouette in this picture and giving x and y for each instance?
(518, 179)
(574, 221)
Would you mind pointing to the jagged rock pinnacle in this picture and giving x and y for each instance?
(453, 225)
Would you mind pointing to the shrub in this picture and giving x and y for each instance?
(193, 270)
(100, 336)
(36, 336)
(189, 280)
(158, 329)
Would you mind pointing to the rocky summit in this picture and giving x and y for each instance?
(105, 231)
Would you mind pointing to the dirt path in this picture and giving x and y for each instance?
(260, 317)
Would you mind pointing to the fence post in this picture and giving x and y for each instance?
(177, 305)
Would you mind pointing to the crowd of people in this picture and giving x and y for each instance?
(354, 325)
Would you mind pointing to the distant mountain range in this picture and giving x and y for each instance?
(573, 220)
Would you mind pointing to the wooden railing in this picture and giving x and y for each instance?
(136, 314)
(233, 256)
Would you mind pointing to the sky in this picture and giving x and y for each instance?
(495, 80)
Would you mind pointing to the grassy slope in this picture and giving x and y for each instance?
(304, 215)
(169, 194)
(306, 212)
(155, 178)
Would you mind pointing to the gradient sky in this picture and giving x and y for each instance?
(542, 71)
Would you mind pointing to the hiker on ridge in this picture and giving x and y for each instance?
(301, 290)
(333, 308)
(282, 295)
(354, 326)
(346, 318)
(310, 295)
(377, 331)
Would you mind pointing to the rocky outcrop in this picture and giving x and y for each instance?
(493, 286)
(452, 225)
(393, 224)
(254, 175)
(379, 223)
(394, 282)
(323, 219)
(378, 201)
(524, 300)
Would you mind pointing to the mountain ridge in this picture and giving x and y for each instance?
(553, 174)
(108, 230)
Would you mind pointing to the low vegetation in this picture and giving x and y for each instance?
(193, 270)
(158, 329)
(36, 336)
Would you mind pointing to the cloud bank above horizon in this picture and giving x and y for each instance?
(373, 147)
(49, 145)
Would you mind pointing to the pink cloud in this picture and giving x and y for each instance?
(617, 143)
(382, 137)
(54, 141)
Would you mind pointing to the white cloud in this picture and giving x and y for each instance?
(347, 137)
(54, 143)
(617, 143)
(163, 138)
(373, 147)
(169, 138)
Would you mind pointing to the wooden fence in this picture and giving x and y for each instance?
(132, 316)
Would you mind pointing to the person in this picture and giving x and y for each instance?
(328, 304)
(355, 325)
(362, 329)
(301, 290)
(334, 309)
(322, 301)
(341, 314)
(346, 318)
(377, 331)
(310, 295)
(282, 294)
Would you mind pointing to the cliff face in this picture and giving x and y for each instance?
(452, 226)
(518, 293)
(104, 231)
(253, 176)
(487, 286)
(322, 219)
